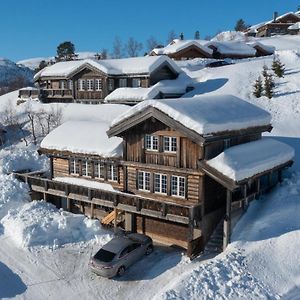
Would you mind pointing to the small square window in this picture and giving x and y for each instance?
(151, 142)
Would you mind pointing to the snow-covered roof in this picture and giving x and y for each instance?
(233, 48)
(177, 45)
(282, 16)
(28, 88)
(294, 26)
(85, 137)
(134, 95)
(254, 44)
(246, 160)
(133, 65)
(206, 114)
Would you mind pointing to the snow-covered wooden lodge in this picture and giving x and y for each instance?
(171, 168)
(90, 81)
(279, 25)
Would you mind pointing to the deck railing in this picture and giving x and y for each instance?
(125, 201)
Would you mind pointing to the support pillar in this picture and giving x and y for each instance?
(129, 222)
(227, 220)
(68, 204)
(115, 220)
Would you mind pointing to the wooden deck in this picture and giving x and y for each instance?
(184, 214)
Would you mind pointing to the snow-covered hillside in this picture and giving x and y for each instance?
(262, 262)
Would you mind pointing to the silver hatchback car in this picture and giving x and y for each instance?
(120, 253)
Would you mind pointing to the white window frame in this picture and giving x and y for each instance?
(73, 167)
(98, 84)
(160, 188)
(62, 84)
(169, 144)
(136, 82)
(178, 193)
(143, 186)
(90, 84)
(151, 142)
(123, 82)
(81, 83)
(112, 172)
(85, 168)
(70, 84)
(99, 166)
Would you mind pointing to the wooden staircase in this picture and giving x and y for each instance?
(107, 220)
(215, 243)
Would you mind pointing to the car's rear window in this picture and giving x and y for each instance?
(104, 255)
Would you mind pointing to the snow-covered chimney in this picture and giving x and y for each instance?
(275, 15)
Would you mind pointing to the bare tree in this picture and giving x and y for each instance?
(117, 48)
(32, 116)
(133, 47)
(171, 36)
(104, 54)
(152, 43)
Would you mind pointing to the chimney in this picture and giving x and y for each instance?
(181, 36)
(275, 16)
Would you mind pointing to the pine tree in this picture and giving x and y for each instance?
(65, 52)
(269, 83)
(278, 67)
(240, 25)
(258, 87)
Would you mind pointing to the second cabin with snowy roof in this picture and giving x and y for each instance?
(173, 168)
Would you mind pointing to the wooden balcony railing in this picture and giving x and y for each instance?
(57, 93)
(185, 214)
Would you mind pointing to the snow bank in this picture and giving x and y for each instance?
(246, 160)
(206, 114)
(83, 137)
(39, 223)
(230, 36)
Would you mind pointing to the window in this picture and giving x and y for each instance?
(226, 143)
(151, 142)
(74, 167)
(70, 84)
(144, 181)
(99, 169)
(110, 84)
(160, 183)
(90, 84)
(81, 84)
(86, 168)
(170, 144)
(178, 186)
(112, 172)
(62, 84)
(136, 82)
(123, 82)
(98, 84)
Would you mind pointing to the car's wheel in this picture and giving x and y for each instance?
(149, 249)
(121, 271)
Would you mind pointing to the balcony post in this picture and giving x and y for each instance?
(227, 220)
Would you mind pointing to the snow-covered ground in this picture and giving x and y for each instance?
(262, 262)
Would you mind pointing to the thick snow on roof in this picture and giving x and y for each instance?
(206, 114)
(133, 65)
(233, 47)
(83, 137)
(134, 95)
(28, 88)
(270, 49)
(246, 160)
(294, 26)
(177, 45)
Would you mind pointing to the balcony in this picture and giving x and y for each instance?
(57, 93)
(179, 213)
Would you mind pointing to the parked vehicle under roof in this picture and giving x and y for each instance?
(120, 253)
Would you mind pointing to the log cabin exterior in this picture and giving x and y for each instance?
(164, 182)
(90, 81)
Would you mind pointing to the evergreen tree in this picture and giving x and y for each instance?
(258, 87)
(197, 35)
(278, 67)
(65, 52)
(240, 25)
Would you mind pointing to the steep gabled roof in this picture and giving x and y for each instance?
(199, 117)
(124, 66)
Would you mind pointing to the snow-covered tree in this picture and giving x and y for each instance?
(269, 83)
(258, 87)
(278, 67)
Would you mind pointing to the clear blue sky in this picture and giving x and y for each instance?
(33, 28)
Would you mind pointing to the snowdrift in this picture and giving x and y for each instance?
(39, 223)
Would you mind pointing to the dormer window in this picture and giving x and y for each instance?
(151, 142)
(170, 144)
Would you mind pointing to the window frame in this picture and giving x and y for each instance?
(162, 188)
(123, 82)
(90, 84)
(178, 178)
(85, 167)
(112, 171)
(99, 168)
(152, 138)
(74, 165)
(137, 81)
(81, 84)
(144, 182)
(111, 84)
(168, 141)
(98, 84)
